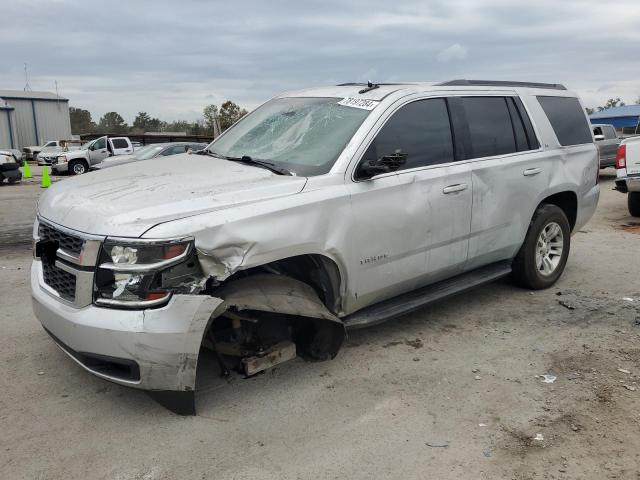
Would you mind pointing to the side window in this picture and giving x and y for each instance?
(610, 133)
(567, 119)
(490, 129)
(120, 143)
(100, 144)
(522, 144)
(174, 150)
(420, 130)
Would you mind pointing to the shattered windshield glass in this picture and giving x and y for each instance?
(302, 135)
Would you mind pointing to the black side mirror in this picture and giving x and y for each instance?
(386, 164)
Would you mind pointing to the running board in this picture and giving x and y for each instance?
(408, 302)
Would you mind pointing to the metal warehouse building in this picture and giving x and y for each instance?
(625, 119)
(32, 118)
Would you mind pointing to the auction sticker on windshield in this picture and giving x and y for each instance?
(363, 103)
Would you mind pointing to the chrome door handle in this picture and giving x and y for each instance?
(531, 171)
(455, 188)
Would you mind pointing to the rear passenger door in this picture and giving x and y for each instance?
(508, 173)
(410, 227)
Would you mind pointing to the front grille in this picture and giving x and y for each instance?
(62, 282)
(69, 243)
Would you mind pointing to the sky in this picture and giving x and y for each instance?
(170, 59)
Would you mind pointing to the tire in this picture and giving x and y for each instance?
(539, 264)
(78, 167)
(633, 202)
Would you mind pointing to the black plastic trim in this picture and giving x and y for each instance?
(499, 83)
(119, 368)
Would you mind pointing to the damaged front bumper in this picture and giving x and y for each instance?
(157, 349)
(154, 349)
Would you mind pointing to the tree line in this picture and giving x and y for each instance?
(612, 102)
(214, 121)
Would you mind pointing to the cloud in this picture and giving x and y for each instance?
(171, 59)
(454, 52)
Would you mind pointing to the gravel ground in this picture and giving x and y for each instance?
(451, 392)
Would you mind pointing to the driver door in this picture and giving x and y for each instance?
(410, 227)
(98, 151)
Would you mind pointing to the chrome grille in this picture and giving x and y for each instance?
(62, 282)
(67, 242)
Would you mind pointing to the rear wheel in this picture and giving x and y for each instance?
(78, 167)
(543, 255)
(633, 202)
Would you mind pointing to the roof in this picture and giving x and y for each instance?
(613, 112)
(29, 95)
(360, 90)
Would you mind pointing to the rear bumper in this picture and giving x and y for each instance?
(146, 349)
(628, 184)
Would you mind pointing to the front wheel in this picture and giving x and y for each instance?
(78, 167)
(633, 202)
(544, 253)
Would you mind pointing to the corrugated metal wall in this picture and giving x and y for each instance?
(23, 116)
(7, 129)
(51, 121)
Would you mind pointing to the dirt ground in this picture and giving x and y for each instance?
(451, 392)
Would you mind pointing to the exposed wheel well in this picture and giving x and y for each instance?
(568, 202)
(317, 271)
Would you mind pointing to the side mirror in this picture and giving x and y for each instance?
(598, 137)
(386, 164)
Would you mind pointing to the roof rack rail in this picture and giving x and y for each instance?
(500, 83)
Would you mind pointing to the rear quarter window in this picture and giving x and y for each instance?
(120, 143)
(567, 119)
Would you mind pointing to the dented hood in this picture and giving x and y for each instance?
(128, 200)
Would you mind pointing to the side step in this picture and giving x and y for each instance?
(408, 302)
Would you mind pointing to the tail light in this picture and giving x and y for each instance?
(621, 157)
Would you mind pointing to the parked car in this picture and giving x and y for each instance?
(15, 153)
(48, 155)
(321, 211)
(80, 161)
(9, 169)
(152, 151)
(31, 153)
(628, 172)
(607, 141)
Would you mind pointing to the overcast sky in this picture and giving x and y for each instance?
(172, 58)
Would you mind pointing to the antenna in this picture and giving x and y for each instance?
(27, 87)
(57, 94)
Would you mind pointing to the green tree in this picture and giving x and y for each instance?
(81, 121)
(112, 122)
(230, 113)
(210, 114)
(145, 123)
(612, 102)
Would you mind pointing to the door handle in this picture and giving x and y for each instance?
(531, 171)
(455, 188)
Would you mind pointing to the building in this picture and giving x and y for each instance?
(624, 119)
(32, 118)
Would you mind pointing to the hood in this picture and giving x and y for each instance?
(128, 200)
(116, 160)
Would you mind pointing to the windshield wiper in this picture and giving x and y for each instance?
(250, 161)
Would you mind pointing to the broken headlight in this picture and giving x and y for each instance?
(143, 274)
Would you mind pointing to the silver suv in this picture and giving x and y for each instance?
(321, 211)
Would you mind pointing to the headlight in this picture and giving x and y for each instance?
(143, 274)
(61, 159)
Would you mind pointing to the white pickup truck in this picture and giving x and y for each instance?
(628, 172)
(80, 161)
